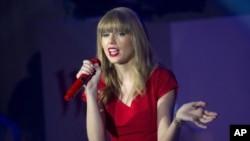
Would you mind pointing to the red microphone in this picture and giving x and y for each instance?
(77, 85)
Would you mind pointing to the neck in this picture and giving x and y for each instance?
(124, 71)
(125, 76)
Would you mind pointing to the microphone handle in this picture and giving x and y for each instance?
(77, 86)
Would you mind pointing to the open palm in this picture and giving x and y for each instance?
(195, 112)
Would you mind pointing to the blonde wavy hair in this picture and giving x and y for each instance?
(125, 20)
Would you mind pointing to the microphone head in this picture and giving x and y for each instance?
(95, 60)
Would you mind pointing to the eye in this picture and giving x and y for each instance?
(120, 33)
(105, 34)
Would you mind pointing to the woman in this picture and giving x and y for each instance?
(130, 96)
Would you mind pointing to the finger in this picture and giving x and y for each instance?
(94, 63)
(210, 113)
(88, 64)
(78, 74)
(209, 116)
(198, 123)
(206, 120)
(84, 70)
(96, 66)
(199, 104)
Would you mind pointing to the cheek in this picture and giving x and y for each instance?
(104, 47)
(129, 46)
(103, 43)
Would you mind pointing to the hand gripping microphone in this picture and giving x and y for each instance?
(77, 85)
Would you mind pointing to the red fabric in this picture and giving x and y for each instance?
(139, 121)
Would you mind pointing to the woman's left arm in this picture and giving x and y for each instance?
(168, 128)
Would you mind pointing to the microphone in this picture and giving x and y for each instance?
(77, 85)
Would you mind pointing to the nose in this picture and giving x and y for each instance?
(112, 38)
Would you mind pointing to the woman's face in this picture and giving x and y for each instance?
(117, 47)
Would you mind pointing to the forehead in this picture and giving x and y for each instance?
(113, 23)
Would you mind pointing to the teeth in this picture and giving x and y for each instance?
(113, 51)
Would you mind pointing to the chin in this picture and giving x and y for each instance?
(118, 60)
(113, 60)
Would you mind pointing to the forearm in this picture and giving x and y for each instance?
(172, 132)
(95, 124)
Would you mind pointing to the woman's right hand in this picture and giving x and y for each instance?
(89, 68)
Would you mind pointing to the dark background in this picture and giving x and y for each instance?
(21, 98)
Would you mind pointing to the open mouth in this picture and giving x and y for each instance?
(113, 52)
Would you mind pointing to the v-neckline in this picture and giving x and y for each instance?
(133, 100)
(125, 105)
